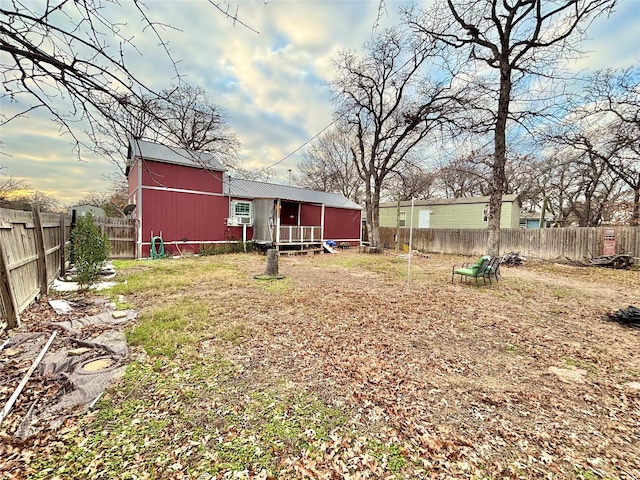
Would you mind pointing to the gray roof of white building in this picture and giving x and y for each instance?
(180, 156)
(251, 189)
(449, 201)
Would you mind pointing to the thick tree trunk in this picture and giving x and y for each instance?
(375, 215)
(372, 207)
(498, 178)
(635, 212)
(272, 263)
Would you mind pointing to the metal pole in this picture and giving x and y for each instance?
(410, 245)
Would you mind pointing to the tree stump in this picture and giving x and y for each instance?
(272, 263)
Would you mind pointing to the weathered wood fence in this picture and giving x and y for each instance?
(32, 246)
(32, 254)
(544, 244)
(121, 233)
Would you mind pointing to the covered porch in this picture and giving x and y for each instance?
(289, 225)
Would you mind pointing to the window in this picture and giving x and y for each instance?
(242, 209)
(241, 213)
(485, 214)
(402, 219)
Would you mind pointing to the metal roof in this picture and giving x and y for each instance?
(180, 156)
(251, 189)
(450, 201)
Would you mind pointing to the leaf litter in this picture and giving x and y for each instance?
(426, 380)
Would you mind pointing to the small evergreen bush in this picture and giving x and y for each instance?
(90, 249)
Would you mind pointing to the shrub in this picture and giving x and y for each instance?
(90, 249)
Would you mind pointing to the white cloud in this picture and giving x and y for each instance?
(271, 84)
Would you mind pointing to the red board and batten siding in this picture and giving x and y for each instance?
(182, 204)
(310, 215)
(342, 225)
(167, 175)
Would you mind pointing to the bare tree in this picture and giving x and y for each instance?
(411, 181)
(134, 117)
(606, 125)
(23, 201)
(464, 176)
(261, 175)
(112, 201)
(580, 187)
(9, 185)
(56, 57)
(181, 116)
(387, 109)
(328, 165)
(517, 40)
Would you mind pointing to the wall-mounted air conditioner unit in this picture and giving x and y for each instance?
(237, 220)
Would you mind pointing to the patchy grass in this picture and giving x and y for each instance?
(169, 328)
(169, 418)
(345, 368)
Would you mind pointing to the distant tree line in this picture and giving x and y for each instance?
(470, 98)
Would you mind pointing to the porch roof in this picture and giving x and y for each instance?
(251, 189)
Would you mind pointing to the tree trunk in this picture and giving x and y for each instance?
(498, 178)
(398, 226)
(272, 263)
(374, 231)
(543, 222)
(635, 212)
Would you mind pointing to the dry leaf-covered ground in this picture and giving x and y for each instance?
(345, 370)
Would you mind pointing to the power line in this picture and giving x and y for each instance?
(391, 75)
(297, 149)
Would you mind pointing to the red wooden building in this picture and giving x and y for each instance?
(186, 199)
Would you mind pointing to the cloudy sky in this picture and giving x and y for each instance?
(272, 84)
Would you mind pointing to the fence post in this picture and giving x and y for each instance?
(42, 254)
(62, 244)
(8, 297)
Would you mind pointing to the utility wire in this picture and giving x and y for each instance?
(327, 126)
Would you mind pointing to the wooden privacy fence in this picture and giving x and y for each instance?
(121, 233)
(544, 243)
(32, 254)
(32, 246)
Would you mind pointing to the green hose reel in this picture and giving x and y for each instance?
(157, 248)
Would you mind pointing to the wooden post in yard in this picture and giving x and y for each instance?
(62, 245)
(8, 298)
(42, 254)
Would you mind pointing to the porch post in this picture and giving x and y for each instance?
(322, 225)
(139, 209)
(278, 207)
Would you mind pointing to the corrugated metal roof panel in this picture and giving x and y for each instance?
(251, 189)
(179, 156)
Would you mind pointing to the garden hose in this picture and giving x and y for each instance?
(155, 252)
